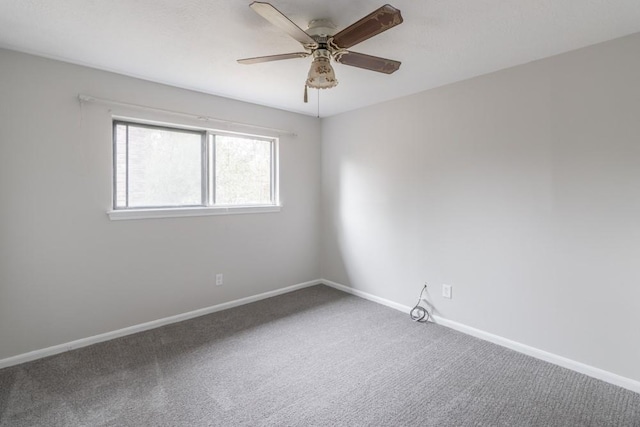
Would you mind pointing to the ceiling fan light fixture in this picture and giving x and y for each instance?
(321, 74)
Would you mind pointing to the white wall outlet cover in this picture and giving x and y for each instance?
(219, 279)
(446, 291)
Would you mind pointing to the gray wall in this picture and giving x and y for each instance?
(68, 272)
(520, 188)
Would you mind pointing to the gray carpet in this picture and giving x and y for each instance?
(314, 357)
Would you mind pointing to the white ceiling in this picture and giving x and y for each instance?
(194, 44)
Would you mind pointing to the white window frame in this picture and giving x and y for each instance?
(208, 176)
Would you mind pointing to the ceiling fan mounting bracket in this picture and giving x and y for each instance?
(335, 50)
(321, 27)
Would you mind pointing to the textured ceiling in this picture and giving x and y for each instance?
(194, 44)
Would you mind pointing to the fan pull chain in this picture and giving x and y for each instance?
(306, 98)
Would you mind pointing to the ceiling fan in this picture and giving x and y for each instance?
(323, 43)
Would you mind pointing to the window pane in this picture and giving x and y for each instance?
(164, 167)
(121, 166)
(243, 171)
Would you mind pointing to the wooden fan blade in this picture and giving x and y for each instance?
(277, 18)
(259, 59)
(374, 23)
(368, 62)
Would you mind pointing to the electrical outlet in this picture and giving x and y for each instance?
(446, 291)
(219, 279)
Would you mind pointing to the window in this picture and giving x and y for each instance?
(173, 169)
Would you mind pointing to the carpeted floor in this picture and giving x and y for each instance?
(314, 357)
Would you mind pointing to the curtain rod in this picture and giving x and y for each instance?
(96, 100)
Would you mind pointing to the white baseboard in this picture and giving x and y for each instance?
(582, 368)
(83, 342)
(366, 295)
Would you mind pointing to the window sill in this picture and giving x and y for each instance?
(123, 214)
